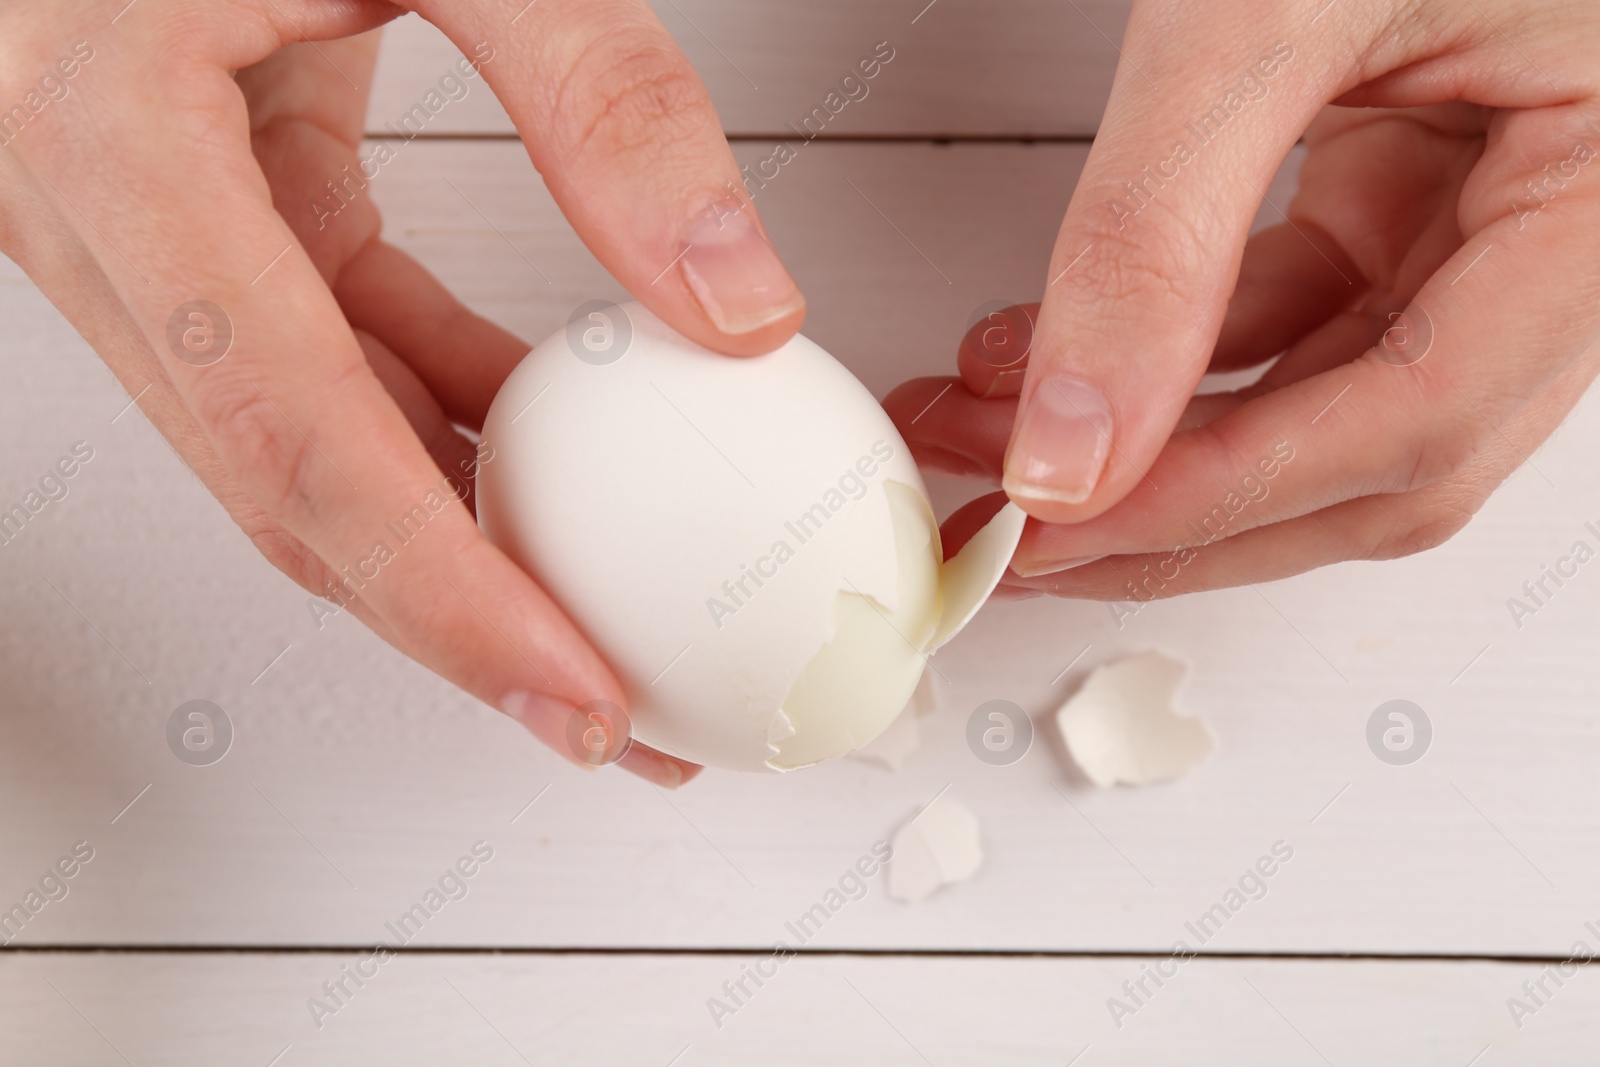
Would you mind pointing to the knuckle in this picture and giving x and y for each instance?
(256, 440)
(1232, 457)
(1141, 263)
(1440, 431)
(1443, 452)
(290, 555)
(185, 36)
(625, 94)
(1432, 528)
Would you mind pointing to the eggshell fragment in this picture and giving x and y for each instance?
(939, 846)
(1122, 726)
(972, 573)
(748, 542)
(855, 685)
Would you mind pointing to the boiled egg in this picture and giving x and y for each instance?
(748, 541)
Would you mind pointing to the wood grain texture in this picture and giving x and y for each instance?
(82, 1011)
(356, 778)
(1021, 68)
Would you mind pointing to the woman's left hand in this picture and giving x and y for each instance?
(1432, 290)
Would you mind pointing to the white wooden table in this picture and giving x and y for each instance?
(219, 899)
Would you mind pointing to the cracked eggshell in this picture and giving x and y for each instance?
(1122, 726)
(748, 542)
(939, 846)
(968, 577)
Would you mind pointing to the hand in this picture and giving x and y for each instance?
(1431, 289)
(139, 174)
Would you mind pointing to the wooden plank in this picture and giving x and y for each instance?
(583, 1009)
(356, 778)
(965, 68)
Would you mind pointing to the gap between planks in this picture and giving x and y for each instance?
(1509, 959)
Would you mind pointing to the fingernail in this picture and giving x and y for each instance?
(1025, 569)
(735, 274)
(668, 774)
(1006, 383)
(590, 737)
(1015, 592)
(1061, 448)
(653, 767)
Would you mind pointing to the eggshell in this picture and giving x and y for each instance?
(939, 846)
(1121, 726)
(729, 533)
(968, 577)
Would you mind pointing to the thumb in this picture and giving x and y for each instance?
(1200, 118)
(621, 128)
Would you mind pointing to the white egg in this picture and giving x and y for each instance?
(748, 542)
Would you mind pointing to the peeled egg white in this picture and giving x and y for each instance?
(748, 542)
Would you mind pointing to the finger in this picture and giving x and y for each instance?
(460, 357)
(1266, 462)
(303, 97)
(1376, 323)
(453, 454)
(305, 128)
(967, 520)
(1355, 529)
(949, 428)
(1149, 251)
(1375, 210)
(1292, 279)
(1374, 426)
(293, 410)
(628, 142)
(1336, 342)
(1403, 227)
(1373, 528)
(306, 131)
(993, 356)
(1295, 276)
(658, 768)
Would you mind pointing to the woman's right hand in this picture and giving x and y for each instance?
(157, 183)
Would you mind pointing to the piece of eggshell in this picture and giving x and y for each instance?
(939, 846)
(968, 577)
(748, 542)
(1122, 725)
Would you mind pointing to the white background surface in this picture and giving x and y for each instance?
(356, 777)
